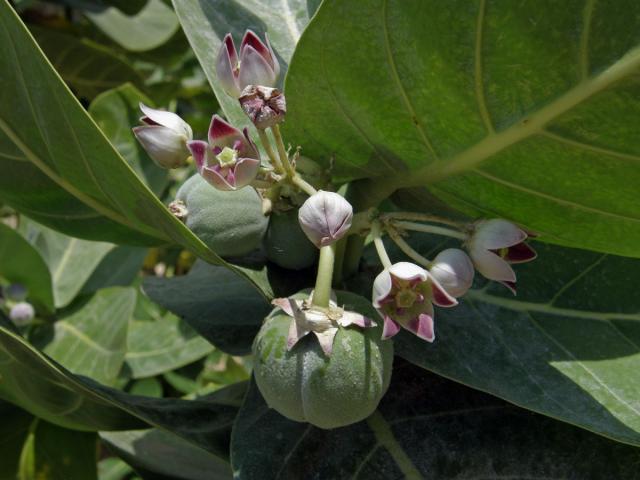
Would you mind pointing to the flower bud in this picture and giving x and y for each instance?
(164, 136)
(454, 270)
(265, 106)
(16, 292)
(325, 218)
(22, 313)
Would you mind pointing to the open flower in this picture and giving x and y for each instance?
(325, 218)
(496, 243)
(324, 323)
(454, 270)
(256, 64)
(164, 136)
(230, 160)
(404, 294)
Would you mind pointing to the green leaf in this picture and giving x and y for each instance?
(219, 305)
(119, 267)
(87, 67)
(71, 261)
(115, 112)
(57, 165)
(113, 469)
(147, 387)
(14, 430)
(92, 340)
(526, 111)
(149, 28)
(162, 455)
(566, 346)
(155, 347)
(206, 24)
(425, 427)
(21, 263)
(36, 383)
(59, 454)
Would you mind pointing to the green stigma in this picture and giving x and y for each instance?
(227, 157)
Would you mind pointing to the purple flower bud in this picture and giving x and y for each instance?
(230, 160)
(22, 313)
(496, 243)
(257, 64)
(325, 217)
(454, 270)
(404, 295)
(265, 106)
(164, 136)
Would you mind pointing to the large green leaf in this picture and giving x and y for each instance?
(162, 345)
(36, 383)
(92, 340)
(206, 24)
(88, 68)
(149, 28)
(14, 430)
(425, 427)
(21, 263)
(219, 305)
(71, 261)
(115, 112)
(57, 165)
(567, 346)
(525, 110)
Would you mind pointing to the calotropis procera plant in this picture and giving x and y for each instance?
(358, 218)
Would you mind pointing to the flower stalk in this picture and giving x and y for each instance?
(322, 291)
(419, 227)
(408, 249)
(376, 234)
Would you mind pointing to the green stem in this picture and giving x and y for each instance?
(266, 143)
(282, 151)
(322, 292)
(419, 227)
(299, 182)
(422, 217)
(385, 437)
(407, 249)
(379, 244)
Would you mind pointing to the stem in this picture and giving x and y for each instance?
(299, 182)
(377, 241)
(385, 437)
(322, 292)
(422, 217)
(419, 227)
(266, 143)
(282, 151)
(407, 249)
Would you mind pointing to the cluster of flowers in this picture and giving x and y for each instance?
(404, 293)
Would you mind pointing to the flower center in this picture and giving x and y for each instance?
(502, 252)
(406, 297)
(227, 157)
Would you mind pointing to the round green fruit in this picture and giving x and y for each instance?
(286, 244)
(230, 223)
(329, 392)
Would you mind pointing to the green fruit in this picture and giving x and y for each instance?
(230, 223)
(286, 244)
(329, 392)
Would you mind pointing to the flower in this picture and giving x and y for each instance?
(256, 65)
(164, 136)
(324, 323)
(454, 270)
(403, 294)
(325, 217)
(496, 243)
(265, 106)
(22, 313)
(230, 160)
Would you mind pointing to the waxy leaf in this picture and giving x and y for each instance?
(527, 110)
(21, 263)
(206, 23)
(425, 427)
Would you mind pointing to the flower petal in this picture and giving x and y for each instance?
(216, 179)
(254, 69)
(165, 147)
(408, 271)
(355, 318)
(226, 64)
(390, 328)
(511, 286)
(441, 297)
(497, 233)
(422, 326)
(326, 340)
(382, 286)
(198, 150)
(283, 304)
(492, 266)
(454, 270)
(275, 64)
(245, 171)
(249, 148)
(168, 119)
(222, 134)
(520, 253)
(252, 40)
(296, 332)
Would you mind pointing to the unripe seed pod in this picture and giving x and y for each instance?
(231, 223)
(22, 314)
(286, 244)
(305, 385)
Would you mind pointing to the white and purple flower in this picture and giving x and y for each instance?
(404, 294)
(325, 218)
(454, 270)
(230, 160)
